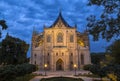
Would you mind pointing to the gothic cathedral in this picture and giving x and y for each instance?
(60, 47)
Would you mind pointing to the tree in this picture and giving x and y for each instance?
(14, 51)
(0, 52)
(113, 71)
(7, 73)
(114, 50)
(108, 24)
(4, 26)
(96, 69)
(96, 58)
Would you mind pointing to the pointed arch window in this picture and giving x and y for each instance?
(71, 38)
(35, 55)
(35, 62)
(48, 38)
(71, 54)
(59, 37)
(56, 54)
(48, 54)
(62, 54)
(82, 59)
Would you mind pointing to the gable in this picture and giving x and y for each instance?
(60, 22)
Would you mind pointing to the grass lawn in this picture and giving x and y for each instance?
(61, 79)
(89, 75)
(27, 77)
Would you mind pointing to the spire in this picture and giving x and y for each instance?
(34, 31)
(86, 31)
(75, 25)
(60, 14)
(44, 26)
(60, 18)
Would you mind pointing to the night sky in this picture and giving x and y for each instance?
(22, 15)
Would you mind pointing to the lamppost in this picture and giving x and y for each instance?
(45, 66)
(75, 66)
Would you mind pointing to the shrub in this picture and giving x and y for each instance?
(27, 77)
(87, 67)
(10, 72)
(96, 69)
(25, 69)
(7, 73)
(115, 70)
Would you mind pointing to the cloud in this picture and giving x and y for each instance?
(22, 15)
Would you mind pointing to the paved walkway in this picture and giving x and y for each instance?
(60, 74)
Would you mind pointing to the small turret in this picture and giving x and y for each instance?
(75, 26)
(34, 32)
(44, 26)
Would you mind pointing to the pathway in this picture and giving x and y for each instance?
(61, 73)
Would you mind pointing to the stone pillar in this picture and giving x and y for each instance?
(54, 62)
(76, 58)
(66, 62)
(52, 55)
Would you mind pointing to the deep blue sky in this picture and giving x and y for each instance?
(23, 15)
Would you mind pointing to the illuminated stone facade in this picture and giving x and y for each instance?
(60, 46)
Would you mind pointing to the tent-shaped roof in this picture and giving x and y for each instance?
(60, 18)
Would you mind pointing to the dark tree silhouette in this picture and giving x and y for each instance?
(14, 51)
(114, 50)
(3, 25)
(108, 25)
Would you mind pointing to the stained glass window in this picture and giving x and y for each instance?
(35, 55)
(48, 54)
(71, 54)
(71, 38)
(48, 38)
(59, 37)
(56, 54)
(62, 54)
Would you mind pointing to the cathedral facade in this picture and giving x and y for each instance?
(60, 47)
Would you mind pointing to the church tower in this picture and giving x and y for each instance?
(60, 46)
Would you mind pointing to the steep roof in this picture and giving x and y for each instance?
(60, 18)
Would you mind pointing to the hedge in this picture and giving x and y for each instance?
(10, 72)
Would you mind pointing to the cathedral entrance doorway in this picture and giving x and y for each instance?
(59, 65)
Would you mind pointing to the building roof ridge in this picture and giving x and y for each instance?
(60, 17)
